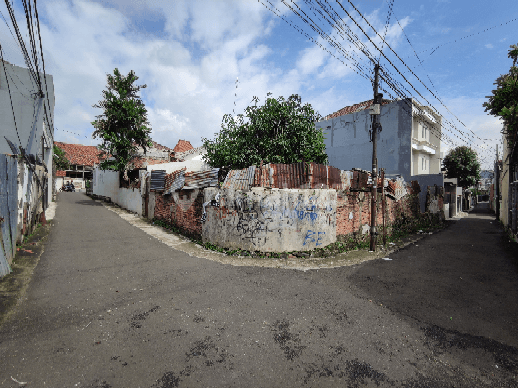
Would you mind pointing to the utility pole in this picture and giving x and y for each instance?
(497, 186)
(376, 127)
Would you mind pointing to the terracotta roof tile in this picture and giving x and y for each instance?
(354, 108)
(80, 154)
(140, 162)
(182, 146)
(61, 173)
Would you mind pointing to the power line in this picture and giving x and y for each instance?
(359, 45)
(467, 36)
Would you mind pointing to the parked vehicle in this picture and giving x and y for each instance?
(69, 186)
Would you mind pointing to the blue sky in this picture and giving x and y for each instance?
(190, 53)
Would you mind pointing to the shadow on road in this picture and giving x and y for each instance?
(464, 278)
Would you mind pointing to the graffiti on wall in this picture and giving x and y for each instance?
(310, 238)
(255, 219)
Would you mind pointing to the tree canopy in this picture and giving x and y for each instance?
(280, 131)
(504, 101)
(123, 125)
(60, 160)
(462, 163)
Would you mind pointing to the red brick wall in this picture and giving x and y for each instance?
(177, 214)
(348, 202)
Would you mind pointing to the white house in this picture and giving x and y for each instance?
(408, 145)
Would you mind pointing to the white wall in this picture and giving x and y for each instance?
(192, 165)
(24, 105)
(106, 184)
(348, 145)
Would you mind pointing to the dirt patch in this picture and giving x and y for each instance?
(14, 285)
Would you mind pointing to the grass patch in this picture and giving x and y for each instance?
(356, 242)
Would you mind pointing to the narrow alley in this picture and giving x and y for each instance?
(111, 306)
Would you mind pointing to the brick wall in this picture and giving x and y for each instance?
(354, 211)
(183, 209)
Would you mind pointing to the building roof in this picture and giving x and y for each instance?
(354, 108)
(80, 154)
(182, 146)
(140, 162)
(157, 146)
(61, 173)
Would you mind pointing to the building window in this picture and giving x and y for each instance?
(422, 163)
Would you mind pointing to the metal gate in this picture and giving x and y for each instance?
(8, 210)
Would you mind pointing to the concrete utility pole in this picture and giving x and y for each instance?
(497, 187)
(376, 127)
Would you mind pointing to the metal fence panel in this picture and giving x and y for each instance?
(8, 211)
(157, 180)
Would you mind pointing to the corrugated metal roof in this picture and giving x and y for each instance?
(174, 181)
(157, 180)
(285, 176)
(196, 180)
(240, 179)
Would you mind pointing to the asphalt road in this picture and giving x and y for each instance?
(110, 306)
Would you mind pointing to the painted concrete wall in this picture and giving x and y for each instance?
(270, 220)
(21, 87)
(348, 146)
(106, 184)
(191, 165)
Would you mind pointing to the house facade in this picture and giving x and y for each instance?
(26, 136)
(82, 159)
(408, 145)
(25, 116)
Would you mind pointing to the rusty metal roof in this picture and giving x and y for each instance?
(240, 179)
(199, 179)
(174, 180)
(285, 176)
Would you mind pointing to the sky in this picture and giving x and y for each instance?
(203, 59)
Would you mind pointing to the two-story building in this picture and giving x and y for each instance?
(409, 144)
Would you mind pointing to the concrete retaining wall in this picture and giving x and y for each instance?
(270, 220)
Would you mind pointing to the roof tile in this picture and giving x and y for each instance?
(182, 146)
(354, 108)
(80, 154)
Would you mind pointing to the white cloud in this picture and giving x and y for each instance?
(480, 130)
(489, 46)
(191, 74)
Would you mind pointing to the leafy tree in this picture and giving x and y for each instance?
(123, 125)
(462, 163)
(504, 101)
(60, 160)
(280, 131)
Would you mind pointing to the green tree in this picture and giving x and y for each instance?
(123, 125)
(504, 101)
(462, 163)
(60, 160)
(280, 131)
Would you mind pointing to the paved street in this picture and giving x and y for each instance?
(111, 306)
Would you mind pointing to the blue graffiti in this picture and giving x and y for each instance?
(310, 234)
